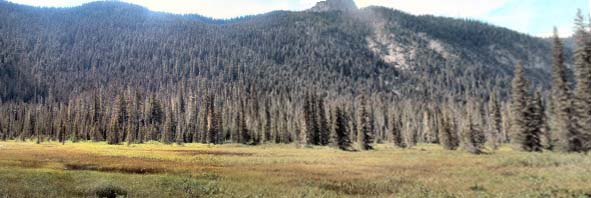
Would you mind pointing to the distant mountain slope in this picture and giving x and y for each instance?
(112, 44)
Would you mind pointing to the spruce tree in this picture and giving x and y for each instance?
(213, 128)
(193, 119)
(204, 128)
(237, 135)
(536, 123)
(61, 133)
(495, 123)
(134, 117)
(156, 118)
(472, 134)
(562, 124)
(220, 128)
(365, 134)
(519, 103)
(169, 128)
(310, 120)
(582, 102)
(323, 129)
(268, 121)
(242, 128)
(340, 127)
(448, 137)
(114, 129)
(179, 135)
(34, 130)
(122, 114)
(523, 129)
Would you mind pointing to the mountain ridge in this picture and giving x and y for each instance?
(376, 48)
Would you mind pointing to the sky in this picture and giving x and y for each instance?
(534, 17)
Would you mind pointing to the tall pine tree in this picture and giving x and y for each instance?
(523, 132)
(472, 135)
(496, 120)
(448, 137)
(365, 134)
(562, 113)
(343, 140)
(582, 102)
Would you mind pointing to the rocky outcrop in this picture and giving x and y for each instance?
(334, 5)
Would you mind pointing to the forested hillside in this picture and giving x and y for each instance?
(104, 43)
(115, 71)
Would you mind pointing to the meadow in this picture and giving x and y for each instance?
(199, 170)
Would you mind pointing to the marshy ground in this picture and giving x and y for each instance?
(198, 170)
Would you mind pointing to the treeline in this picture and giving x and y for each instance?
(247, 85)
(187, 116)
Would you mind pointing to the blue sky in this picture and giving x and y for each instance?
(535, 17)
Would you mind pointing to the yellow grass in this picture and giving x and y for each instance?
(198, 170)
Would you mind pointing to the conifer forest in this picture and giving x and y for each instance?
(110, 99)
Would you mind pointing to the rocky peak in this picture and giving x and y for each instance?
(334, 5)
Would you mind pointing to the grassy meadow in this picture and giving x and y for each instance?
(199, 170)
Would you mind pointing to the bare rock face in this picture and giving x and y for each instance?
(334, 5)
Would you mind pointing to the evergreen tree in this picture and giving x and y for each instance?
(134, 117)
(495, 123)
(519, 104)
(536, 123)
(31, 129)
(278, 132)
(220, 128)
(472, 134)
(213, 130)
(168, 129)
(97, 118)
(562, 113)
(310, 120)
(267, 127)
(324, 131)
(122, 114)
(448, 137)
(180, 101)
(523, 129)
(61, 133)
(396, 130)
(340, 127)
(243, 129)
(115, 129)
(179, 133)
(193, 120)
(365, 134)
(582, 102)
(204, 128)
(156, 117)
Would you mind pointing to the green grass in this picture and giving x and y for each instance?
(198, 170)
